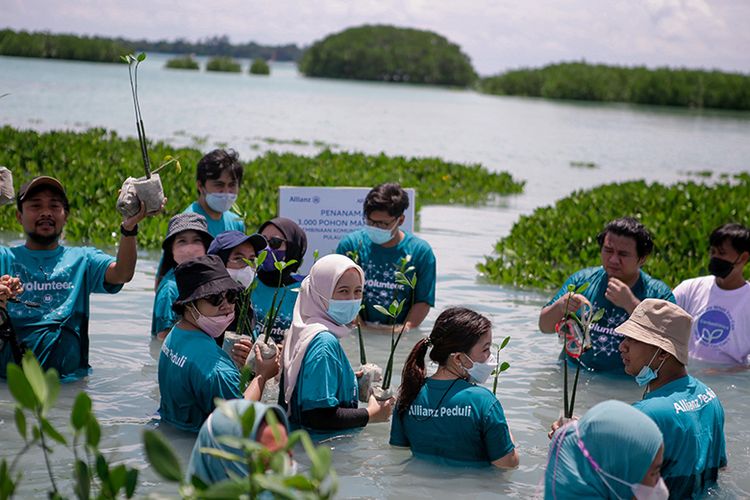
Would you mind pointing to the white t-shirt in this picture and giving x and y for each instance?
(721, 320)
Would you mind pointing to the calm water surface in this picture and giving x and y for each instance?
(533, 139)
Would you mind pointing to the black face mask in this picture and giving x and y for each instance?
(719, 267)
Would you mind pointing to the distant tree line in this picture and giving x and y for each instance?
(597, 82)
(388, 53)
(219, 46)
(99, 49)
(49, 46)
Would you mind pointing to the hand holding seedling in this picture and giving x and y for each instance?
(379, 411)
(571, 302)
(559, 423)
(129, 223)
(241, 350)
(620, 295)
(10, 288)
(266, 367)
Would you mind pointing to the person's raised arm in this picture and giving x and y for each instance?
(122, 270)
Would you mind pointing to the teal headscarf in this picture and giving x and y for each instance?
(211, 469)
(621, 439)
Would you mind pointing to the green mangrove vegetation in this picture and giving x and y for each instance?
(103, 49)
(259, 67)
(222, 63)
(544, 248)
(182, 62)
(640, 85)
(388, 53)
(93, 164)
(49, 46)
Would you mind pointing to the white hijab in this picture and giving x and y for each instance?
(311, 314)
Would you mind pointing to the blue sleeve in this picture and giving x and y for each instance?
(496, 434)
(398, 436)
(223, 383)
(425, 268)
(321, 373)
(6, 261)
(164, 316)
(573, 279)
(346, 244)
(98, 263)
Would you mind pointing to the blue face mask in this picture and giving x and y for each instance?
(220, 202)
(379, 236)
(343, 312)
(268, 264)
(646, 374)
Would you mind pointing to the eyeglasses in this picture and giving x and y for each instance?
(381, 224)
(218, 298)
(275, 242)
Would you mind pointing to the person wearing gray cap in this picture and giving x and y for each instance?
(53, 318)
(688, 413)
(187, 238)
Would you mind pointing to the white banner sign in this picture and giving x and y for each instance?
(327, 214)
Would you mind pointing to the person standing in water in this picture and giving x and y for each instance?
(449, 417)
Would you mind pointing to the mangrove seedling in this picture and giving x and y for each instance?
(270, 349)
(574, 332)
(501, 367)
(265, 472)
(133, 63)
(393, 312)
(370, 372)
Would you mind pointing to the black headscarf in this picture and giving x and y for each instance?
(296, 246)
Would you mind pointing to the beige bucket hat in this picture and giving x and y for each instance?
(662, 324)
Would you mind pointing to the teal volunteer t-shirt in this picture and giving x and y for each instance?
(229, 221)
(691, 419)
(325, 380)
(193, 371)
(262, 298)
(380, 264)
(163, 317)
(605, 342)
(453, 422)
(60, 281)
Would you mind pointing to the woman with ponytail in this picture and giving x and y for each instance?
(449, 417)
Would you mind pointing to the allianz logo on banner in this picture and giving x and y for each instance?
(304, 199)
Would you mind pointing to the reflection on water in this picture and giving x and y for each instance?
(533, 139)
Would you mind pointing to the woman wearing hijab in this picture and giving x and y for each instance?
(187, 238)
(286, 242)
(614, 452)
(449, 417)
(193, 370)
(211, 469)
(319, 389)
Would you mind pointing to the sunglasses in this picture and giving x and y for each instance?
(275, 242)
(218, 298)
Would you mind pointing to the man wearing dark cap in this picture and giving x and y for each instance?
(688, 413)
(53, 318)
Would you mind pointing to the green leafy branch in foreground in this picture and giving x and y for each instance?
(90, 163)
(502, 366)
(266, 471)
(552, 243)
(35, 391)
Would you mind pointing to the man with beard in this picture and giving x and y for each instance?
(52, 319)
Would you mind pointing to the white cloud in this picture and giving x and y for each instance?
(496, 34)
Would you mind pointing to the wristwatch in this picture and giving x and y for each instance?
(125, 232)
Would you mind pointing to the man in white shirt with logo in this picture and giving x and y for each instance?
(720, 303)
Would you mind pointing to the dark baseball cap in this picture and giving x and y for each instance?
(38, 183)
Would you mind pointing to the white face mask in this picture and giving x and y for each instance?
(244, 276)
(220, 202)
(480, 372)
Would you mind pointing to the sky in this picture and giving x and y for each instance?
(496, 34)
